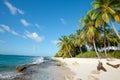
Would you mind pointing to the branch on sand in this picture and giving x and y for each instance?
(114, 66)
(100, 67)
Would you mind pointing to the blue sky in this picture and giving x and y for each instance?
(32, 27)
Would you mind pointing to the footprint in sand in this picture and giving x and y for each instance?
(95, 72)
(69, 77)
(75, 64)
(90, 77)
(78, 79)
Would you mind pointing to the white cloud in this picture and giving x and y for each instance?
(1, 30)
(20, 11)
(37, 25)
(24, 22)
(23, 36)
(13, 9)
(63, 21)
(7, 28)
(34, 36)
(55, 41)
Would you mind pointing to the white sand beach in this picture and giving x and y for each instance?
(86, 68)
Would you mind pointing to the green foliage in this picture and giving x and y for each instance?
(115, 54)
(109, 11)
(105, 17)
(65, 46)
(95, 24)
(57, 55)
(92, 54)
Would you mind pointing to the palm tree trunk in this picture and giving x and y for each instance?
(114, 29)
(70, 54)
(105, 48)
(105, 43)
(108, 47)
(68, 49)
(80, 49)
(95, 48)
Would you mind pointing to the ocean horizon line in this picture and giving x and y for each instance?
(26, 55)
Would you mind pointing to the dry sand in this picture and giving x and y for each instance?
(86, 68)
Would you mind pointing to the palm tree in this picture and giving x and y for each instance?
(72, 41)
(111, 38)
(107, 11)
(104, 25)
(79, 41)
(65, 47)
(89, 31)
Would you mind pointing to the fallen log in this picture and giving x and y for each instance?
(100, 67)
(114, 66)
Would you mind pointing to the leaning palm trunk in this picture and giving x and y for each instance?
(95, 48)
(114, 29)
(70, 54)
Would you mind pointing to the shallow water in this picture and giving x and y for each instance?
(8, 64)
(42, 70)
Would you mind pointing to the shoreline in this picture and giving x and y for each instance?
(68, 69)
(48, 70)
(40, 69)
(86, 68)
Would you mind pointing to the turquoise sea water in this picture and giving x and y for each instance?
(43, 68)
(8, 64)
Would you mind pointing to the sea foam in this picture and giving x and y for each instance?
(7, 75)
(38, 60)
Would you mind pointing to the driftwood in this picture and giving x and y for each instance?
(114, 66)
(100, 67)
(22, 68)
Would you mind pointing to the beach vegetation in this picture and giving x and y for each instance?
(92, 54)
(97, 35)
